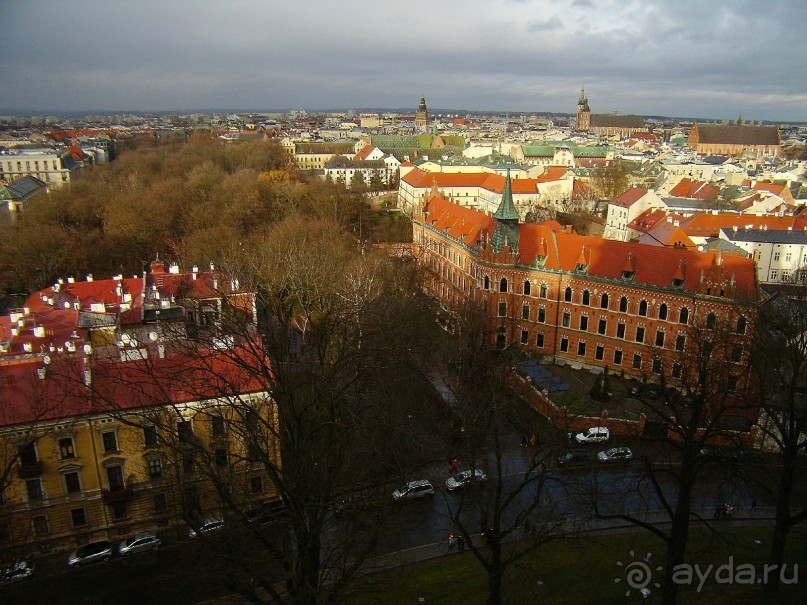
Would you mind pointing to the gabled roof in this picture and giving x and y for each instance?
(737, 134)
(629, 197)
(694, 189)
(21, 187)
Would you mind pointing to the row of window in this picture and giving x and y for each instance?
(683, 316)
(680, 345)
(120, 511)
(109, 440)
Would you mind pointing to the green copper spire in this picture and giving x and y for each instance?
(507, 209)
(506, 232)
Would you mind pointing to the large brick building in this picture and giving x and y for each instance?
(735, 139)
(586, 300)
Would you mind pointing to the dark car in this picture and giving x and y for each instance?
(267, 512)
(573, 459)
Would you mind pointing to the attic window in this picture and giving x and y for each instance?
(628, 274)
(580, 268)
(677, 283)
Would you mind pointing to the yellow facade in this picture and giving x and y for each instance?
(111, 475)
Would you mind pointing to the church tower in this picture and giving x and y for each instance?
(583, 112)
(422, 116)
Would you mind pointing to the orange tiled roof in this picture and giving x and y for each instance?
(655, 265)
(486, 180)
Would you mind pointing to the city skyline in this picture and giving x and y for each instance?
(717, 62)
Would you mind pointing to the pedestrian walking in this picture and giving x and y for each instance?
(460, 544)
(452, 540)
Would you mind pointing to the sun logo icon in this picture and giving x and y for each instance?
(638, 574)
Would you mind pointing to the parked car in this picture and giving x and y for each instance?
(414, 489)
(615, 454)
(16, 572)
(595, 434)
(464, 478)
(207, 526)
(573, 459)
(90, 553)
(266, 512)
(139, 543)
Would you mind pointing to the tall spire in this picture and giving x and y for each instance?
(507, 209)
(507, 229)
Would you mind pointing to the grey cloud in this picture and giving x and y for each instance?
(552, 24)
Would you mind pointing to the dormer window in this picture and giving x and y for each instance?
(677, 283)
(628, 274)
(580, 268)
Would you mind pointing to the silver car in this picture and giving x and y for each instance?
(139, 543)
(465, 478)
(90, 553)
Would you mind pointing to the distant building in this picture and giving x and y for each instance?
(54, 168)
(422, 117)
(15, 194)
(606, 124)
(735, 139)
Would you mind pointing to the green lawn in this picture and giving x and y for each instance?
(583, 571)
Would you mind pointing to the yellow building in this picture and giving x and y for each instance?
(100, 441)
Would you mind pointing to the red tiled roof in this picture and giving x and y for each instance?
(459, 222)
(423, 179)
(694, 189)
(629, 197)
(364, 153)
(118, 385)
(655, 265)
(709, 225)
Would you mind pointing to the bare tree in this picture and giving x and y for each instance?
(704, 399)
(780, 362)
(511, 508)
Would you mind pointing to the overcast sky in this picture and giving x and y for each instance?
(695, 58)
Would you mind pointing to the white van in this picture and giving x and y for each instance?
(596, 434)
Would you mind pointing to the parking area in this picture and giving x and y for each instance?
(575, 383)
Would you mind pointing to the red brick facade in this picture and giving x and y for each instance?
(582, 299)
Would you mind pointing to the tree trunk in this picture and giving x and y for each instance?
(782, 523)
(677, 544)
(495, 573)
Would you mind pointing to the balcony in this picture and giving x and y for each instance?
(27, 470)
(121, 495)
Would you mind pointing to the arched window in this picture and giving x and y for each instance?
(487, 283)
(742, 323)
(662, 312)
(543, 292)
(503, 285)
(683, 315)
(527, 287)
(623, 304)
(604, 301)
(643, 308)
(567, 294)
(711, 321)
(586, 297)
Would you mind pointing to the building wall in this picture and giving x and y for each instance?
(148, 499)
(544, 322)
(47, 167)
